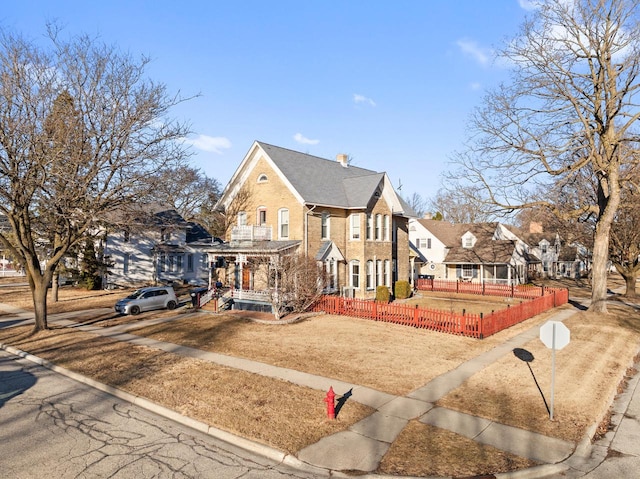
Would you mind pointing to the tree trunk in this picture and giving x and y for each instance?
(599, 270)
(54, 287)
(630, 282)
(39, 293)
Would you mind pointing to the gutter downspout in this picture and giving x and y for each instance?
(306, 229)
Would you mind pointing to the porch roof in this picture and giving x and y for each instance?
(485, 251)
(255, 247)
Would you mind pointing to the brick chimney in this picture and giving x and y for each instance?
(343, 159)
(535, 227)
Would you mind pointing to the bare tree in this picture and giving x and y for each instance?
(417, 203)
(295, 283)
(624, 246)
(81, 130)
(458, 206)
(223, 218)
(571, 104)
(187, 190)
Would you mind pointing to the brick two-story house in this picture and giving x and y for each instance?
(350, 219)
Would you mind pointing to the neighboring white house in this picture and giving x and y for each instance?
(478, 252)
(159, 247)
(490, 252)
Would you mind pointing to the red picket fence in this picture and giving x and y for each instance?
(472, 325)
(488, 289)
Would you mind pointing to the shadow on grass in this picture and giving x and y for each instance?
(342, 400)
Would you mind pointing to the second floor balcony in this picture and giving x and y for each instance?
(250, 233)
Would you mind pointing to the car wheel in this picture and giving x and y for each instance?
(135, 310)
(171, 305)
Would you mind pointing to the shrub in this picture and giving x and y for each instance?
(383, 294)
(402, 290)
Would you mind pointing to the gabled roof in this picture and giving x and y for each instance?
(486, 249)
(322, 181)
(319, 181)
(447, 233)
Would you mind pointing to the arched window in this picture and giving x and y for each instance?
(354, 268)
(261, 215)
(385, 228)
(262, 178)
(369, 274)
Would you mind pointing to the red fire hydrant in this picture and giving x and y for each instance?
(331, 407)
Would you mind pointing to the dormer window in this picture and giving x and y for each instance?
(468, 240)
(262, 178)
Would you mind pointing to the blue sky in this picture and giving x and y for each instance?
(390, 83)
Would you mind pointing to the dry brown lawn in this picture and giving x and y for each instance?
(383, 356)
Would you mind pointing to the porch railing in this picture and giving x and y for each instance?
(242, 233)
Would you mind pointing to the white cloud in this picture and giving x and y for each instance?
(215, 144)
(363, 99)
(479, 54)
(529, 4)
(300, 138)
(475, 86)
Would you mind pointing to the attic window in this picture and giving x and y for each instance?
(262, 178)
(468, 240)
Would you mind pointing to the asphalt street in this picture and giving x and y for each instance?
(53, 426)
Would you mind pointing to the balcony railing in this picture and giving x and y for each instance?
(250, 233)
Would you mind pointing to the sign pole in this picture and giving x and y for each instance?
(554, 335)
(553, 369)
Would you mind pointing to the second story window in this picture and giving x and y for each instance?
(355, 226)
(378, 227)
(262, 216)
(242, 218)
(325, 226)
(385, 228)
(283, 223)
(369, 226)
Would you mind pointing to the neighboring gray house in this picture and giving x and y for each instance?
(156, 246)
(556, 259)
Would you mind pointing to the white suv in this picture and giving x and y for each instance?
(146, 299)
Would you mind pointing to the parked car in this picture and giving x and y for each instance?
(146, 299)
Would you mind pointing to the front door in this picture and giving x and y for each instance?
(246, 278)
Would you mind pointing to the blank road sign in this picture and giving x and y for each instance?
(557, 329)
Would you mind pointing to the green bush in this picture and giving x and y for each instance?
(402, 290)
(383, 294)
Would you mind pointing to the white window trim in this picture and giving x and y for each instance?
(325, 224)
(354, 226)
(282, 222)
(370, 275)
(385, 228)
(352, 275)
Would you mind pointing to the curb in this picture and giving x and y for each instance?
(238, 441)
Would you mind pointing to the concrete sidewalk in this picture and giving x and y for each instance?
(365, 443)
